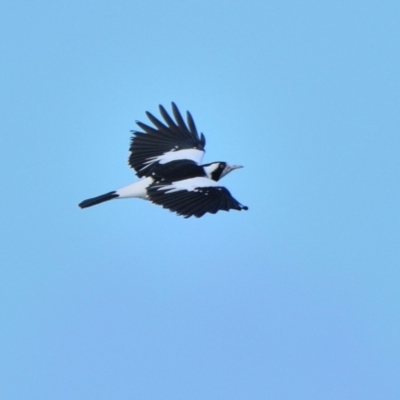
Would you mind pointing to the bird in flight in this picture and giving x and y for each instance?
(168, 159)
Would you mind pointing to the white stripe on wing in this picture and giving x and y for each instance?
(189, 185)
(185, 154)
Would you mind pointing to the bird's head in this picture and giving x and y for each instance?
(219, 169)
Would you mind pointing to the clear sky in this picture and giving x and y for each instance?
(297, 298)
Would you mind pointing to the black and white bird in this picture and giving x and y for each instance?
(168, 159)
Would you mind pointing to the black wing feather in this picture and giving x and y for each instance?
(178, 117)
(157, 123)
(192, 126)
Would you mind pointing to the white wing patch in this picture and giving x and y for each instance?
(173, 155)
(189, 185)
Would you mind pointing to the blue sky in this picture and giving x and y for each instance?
(298, 298)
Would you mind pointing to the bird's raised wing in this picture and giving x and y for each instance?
(193, 197)
(166, 142)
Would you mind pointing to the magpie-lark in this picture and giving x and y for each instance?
(168, 158)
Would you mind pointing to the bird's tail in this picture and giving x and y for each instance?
(98, 199)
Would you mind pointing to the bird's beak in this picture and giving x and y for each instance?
(229, 168)
(232, 167)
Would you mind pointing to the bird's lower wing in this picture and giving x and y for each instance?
(193, 197)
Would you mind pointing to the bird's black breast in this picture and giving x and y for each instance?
(177, 170)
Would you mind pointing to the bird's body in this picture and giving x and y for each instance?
(168, 159)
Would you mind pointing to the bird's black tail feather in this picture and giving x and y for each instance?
(98, 199)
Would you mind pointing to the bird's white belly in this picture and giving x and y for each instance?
(137, 189)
